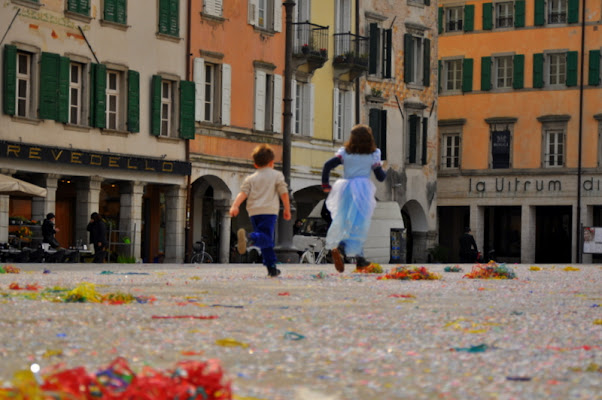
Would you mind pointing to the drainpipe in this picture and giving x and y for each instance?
(579, 167)
(187, 236)
(357, 80)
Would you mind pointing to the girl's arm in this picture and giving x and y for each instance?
(328, 166)
(380, 173)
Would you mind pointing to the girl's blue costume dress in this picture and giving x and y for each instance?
(351, 201)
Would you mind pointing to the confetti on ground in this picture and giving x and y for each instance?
(184, 317)
(534, 268)
(410, 273)
(403, 296)
(9, 269)
(569, 268)
(373, 268)
(455, 268)
(230, 342)
(491, 271)
(473, 349)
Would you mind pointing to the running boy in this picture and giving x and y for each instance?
(262, 190)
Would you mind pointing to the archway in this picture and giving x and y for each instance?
(416, 230)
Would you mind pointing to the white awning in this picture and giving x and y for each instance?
(17, 187)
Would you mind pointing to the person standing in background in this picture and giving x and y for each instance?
(98, 237)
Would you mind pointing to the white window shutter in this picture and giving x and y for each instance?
(212, 7)
(219, 8)
(347, 15)
(335, 114)
(277, 15)
(199, 89)
(277, 103)
(253, 12)
(226, 93)
(260, 100)
(293, 105)
(309, 109)
(349, 117)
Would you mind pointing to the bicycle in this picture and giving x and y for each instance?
(199, 255)
(309, 255)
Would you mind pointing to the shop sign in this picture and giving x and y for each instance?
(528, 186)
(61, 155)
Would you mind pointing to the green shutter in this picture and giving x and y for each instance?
(79, 6)
(169, 17)
(110, 10)
(540, 13)
(115, 11)
(407, 58)
(519, 13)
(374, 123)
(133, 118)
(121, 15)
(374, 34)
(485, 73)
(187, 110)
(518, 71)
(538, 70)
(412, 139)
(487, 16)
(425, 125)
(9, 80)
(440, 20)
(426, 74)
(383, 135)
(388, 39)
(156, 105)
(98, 75)
(164, 16)
(573, 12)
(594, 68)
(467, 75)
(49, 85)
(63, 90)
(439, 71)
(571, 66)
(468, 18)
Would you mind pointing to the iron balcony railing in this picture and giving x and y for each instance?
(351, 49)
(310, 39)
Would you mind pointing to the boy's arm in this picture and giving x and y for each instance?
(286, 213)
(234, 209)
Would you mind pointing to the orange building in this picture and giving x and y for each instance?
(237, 63)
(520, 115)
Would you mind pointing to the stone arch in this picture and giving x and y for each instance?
(416, 231)
(306, 199)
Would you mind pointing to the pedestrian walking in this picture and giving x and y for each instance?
(468, 247)
(98, 237)
(351, 200)
(261, 190)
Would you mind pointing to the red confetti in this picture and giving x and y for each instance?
(404, 296)
(284, 294)
(185, 317)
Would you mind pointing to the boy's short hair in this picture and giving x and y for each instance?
(262, 155)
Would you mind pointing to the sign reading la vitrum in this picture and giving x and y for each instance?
(530, 185)
(31, 152)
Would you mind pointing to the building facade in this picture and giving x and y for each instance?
(519, 127)
(98, 119)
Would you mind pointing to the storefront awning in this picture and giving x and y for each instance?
(16, 187)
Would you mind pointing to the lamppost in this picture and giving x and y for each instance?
(284, 249)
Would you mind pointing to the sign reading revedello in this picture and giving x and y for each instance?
(31, 152)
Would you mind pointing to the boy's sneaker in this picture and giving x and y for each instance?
(273, 272)
(242, 241)
(361, 262)
(338, 259)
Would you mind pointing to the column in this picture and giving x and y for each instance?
(4, 209)
(86, 202)
(588, 218)
(175, 207)
(130, 217)
(41, 206)
(527, 234)
(477, 224)
(225, 232)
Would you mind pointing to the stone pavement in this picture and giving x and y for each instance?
(315, 334)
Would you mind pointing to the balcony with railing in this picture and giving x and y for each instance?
(310, 44)
(351, 53)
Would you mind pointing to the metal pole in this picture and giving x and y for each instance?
(579, 165)
(9, 26)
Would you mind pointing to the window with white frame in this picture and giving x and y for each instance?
(212, 91)
(504, 14)
(557, 11)
(417, 60)
(268, 101)
(454, 19)
(343, 113)
(167, 108)
(213, 7)
(75, 93)
(302, 106)
(554, 148)
(450, 150)
(113, 118)
(24, 84)
(503, 71)
(265, 14)
(452, 75)
(557, 68)
(342, 16)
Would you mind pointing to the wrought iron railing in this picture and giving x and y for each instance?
(310, 39)
(351, 49)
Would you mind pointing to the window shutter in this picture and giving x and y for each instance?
(226, 93)
(199, 88)
(164, 16)
(407, 58)
(294, 106)
(519, 13)
(63, 90)
(253, 16)
(174, 17)
(571, 64)
(518, 79)
(485, 73)
(133, 101)
(156, 105)
(467, 75)
(487, 16)
(427, 2)
(349, 114)
(277, 16)
(383, 135)
(98, 95)
(374, 123)
(426, 75)
(439, 72)
(121, 14)
(387, 38)
(425, 128)
(260, 79)
(186, 110)
(540, 13)
(79, 6)
(335, 113)
(212, 7)
(9, 80)
(440, 20)
(374, 36)
(468, 18)
(277, 124)
(594, 68)
(310, 108)
(109, 10)
(115, 11)
(573, 12)
(49, 84)
(538, 70)
(412, 139)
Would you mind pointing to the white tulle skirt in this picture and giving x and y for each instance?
(351, 203)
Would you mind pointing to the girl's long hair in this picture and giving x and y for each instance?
(361, 140)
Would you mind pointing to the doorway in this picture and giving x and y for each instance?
(553, 237)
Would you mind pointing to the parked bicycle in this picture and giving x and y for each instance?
(199, 255)
(309, 255)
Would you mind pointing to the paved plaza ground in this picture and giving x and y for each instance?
(315, 334)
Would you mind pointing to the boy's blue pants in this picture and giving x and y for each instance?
(263, 237)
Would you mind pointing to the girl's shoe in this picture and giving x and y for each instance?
(273, 272)
(361, 262)
(338, 259)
